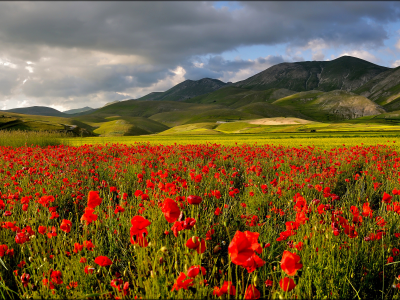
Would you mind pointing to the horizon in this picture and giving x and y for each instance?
(173, 86)
(89, 54)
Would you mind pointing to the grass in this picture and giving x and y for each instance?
(18, 138)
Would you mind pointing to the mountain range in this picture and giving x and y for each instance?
(343, 89)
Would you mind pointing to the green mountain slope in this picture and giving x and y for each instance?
(38, 110)
(344, 73)
(330, 106)
(234, 97)
(78, 110)
(117, 126)
(384, 89)
(186, 90)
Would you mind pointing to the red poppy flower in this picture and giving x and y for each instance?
(194, 199)
(94, 199)
(3, 250)
(189, 223)
(89, 216)
(252, 292)
(193, 271)
(25, 279)
(77, 247)
(181, 283)
(242, 250)
(228, 288)
(88, 245)
(269, 283)
(66, 225)
(386, 198)
(56, 277)
(195, 243)
(171, 210)
(290, 263)
(138, 231)
(103, 261)
(42, 229)
(367, 211)
(89, 270)
(139, 225)
(287, 284)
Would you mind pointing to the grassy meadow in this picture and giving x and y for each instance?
(278, 215)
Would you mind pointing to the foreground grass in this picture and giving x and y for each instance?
(18, 138)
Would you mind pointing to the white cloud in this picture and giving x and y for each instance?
(30, 69)
(161, 85)
(361, 54)
(396, 64)
(398, 45)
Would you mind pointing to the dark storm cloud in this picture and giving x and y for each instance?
(149, 39)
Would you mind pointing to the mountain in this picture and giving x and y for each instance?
(384, 89)
(186, 90)
(38, 111)
(325, 91)
(344, 73)
(330, 106)
(78, 110)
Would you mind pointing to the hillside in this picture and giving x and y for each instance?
(14, 121)
(78, 110)
(344, 73)
(384, 89)
(330, 106)
(38, 110)
(186, 90)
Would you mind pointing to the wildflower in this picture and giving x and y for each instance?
(242, 250)
(287, 284)
(290, 263)
(103, 261)
(195, 243)
(386, 198)
(94, 199)
(252, 292)
(194, 199)
(171, 210)
(226, 288)
(181, 283)
(66, 225)
(195, 270)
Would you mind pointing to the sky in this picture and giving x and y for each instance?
(68, 55)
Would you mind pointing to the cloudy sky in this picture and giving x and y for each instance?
(73, 54)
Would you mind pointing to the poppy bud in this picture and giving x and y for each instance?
(161, 260)
(216, 249)
(194, 239)
(164, 249)
(45, 259)
(30, 258)
(255, 280)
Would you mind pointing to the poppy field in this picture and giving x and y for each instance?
(152, 221)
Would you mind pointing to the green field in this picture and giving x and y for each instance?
(319, 140)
